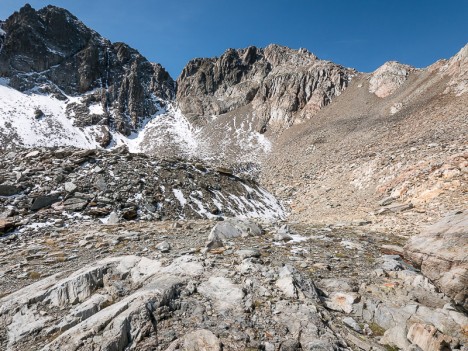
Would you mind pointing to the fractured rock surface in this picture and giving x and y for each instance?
(128, 301)
(281, 84)
(441, 252)
(295, 293)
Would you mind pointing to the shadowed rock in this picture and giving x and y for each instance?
(52, 49)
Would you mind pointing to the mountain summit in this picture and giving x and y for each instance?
(111, 85)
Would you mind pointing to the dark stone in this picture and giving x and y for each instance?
(105, 138)
(129, 213)
(9, 190)
(6, 226)
(44, 201)
(38, 114)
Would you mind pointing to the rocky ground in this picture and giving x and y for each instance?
(360, 159)
(113, 250)
(204, 285)
(60, 186)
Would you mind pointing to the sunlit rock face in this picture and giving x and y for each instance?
(282, 85)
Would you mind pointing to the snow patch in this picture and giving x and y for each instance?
(180, 196)
(96, 109)
(170, 127)
(18, 121)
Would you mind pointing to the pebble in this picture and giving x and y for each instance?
(163, 246)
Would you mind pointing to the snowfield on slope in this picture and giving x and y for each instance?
(19, 124)
(33, 119)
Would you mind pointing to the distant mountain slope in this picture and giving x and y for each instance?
(63, 84)
(395, 142)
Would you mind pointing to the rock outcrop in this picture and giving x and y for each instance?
(441, 252)
(280, 84)
(457, 68)
(131, 302)
(252, 292)
(388, 78)
(50, 51)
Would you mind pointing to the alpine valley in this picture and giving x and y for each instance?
(264, 200)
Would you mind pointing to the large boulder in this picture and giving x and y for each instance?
(234, 228)
(440, 251)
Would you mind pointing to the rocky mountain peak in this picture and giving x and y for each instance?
(50, 51)
(280, 83)
(278, 55)
(49, 35)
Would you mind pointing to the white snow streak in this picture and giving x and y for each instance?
(180, 196)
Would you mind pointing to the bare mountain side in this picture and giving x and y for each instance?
(408, 151)
(51, 53)
(170, 241)
(225, 105)
(281, 84)
(457, 68)
(388, 78)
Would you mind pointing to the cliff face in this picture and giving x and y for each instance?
(51, 51)
(281, 85)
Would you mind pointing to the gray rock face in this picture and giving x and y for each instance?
(131, 302)
(52, 49)
(281, 84)
(440, 251)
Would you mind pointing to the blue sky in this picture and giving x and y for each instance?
(362, 34)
